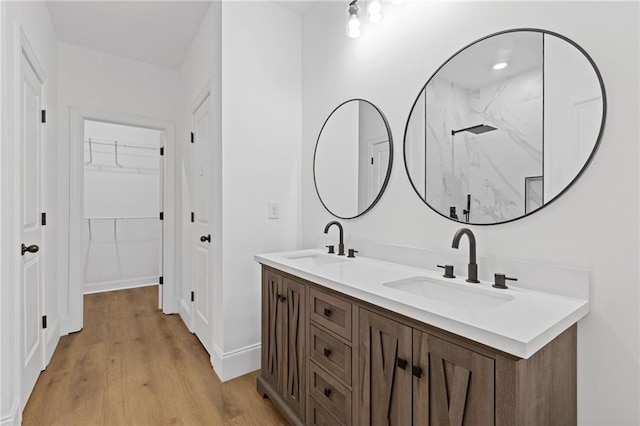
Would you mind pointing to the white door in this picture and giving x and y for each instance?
(31, 292)
(202, 227)
(379, 154)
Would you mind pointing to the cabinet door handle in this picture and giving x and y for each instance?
(327, 312)
(283, 298)
(327, 392)
(327, 352)
(416, 371)
(402, 363)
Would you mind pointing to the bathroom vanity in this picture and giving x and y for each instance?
(362, 341)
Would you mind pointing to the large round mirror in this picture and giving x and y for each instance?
(505, 126)
(352, 160)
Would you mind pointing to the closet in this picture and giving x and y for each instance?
(122, 232)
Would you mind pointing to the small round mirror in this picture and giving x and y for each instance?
(352, 160)
(504, 126)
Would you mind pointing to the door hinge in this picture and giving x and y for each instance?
(43, 116)
(161, 280)
(44, 219)
(193, 296)
(162, 150)
(161, 215)
(193, 217)
(44, 321)
(193, 138)
(371, 160)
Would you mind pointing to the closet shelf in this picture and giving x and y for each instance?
(115, 221)
(122, 148)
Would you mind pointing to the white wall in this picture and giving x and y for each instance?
(390, 63)
(90, 79)
(249, 53)
(36, 25)
(261, 104)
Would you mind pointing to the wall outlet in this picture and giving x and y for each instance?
(274, 210)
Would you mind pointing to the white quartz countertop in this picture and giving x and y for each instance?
(522, 322)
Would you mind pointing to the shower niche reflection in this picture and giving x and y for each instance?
(504, 127)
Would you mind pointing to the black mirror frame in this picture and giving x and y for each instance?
(390, 166)
(584, 167)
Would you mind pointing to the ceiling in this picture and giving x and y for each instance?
(473, 67)
(156, 32)
(297, 6)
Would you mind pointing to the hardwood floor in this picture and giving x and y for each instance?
(132, 365)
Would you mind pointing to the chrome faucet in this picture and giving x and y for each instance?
(341, 245)
(473, 266)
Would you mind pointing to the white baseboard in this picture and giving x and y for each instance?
(235, 363)
(68, 325)
(13, 418)
(51, 340)
(119, 285)
(185, 314)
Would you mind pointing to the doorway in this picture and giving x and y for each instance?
(122, 214)
(122, 232)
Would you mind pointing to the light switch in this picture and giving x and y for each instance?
(274, 210)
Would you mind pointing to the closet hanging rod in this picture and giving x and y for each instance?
(115, 220)
(123, 218)
(119, 144)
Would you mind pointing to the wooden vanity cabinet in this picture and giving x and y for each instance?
(410, 377)
(284, 326)
(343, 361)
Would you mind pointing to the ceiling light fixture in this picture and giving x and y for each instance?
(500, 65)
(353, 20)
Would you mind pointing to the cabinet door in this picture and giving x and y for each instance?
(384, 371)
(272, 329)
(293, 374)
(455, 386)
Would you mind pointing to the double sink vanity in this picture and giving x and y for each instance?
(352, 339)
(364, 341)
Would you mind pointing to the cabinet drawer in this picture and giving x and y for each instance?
(331, 353)
(318, 415)
(331, 312)
(329, 393)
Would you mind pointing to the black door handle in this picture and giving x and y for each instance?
(205, 239)
(31, 249)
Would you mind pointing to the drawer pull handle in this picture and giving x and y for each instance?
(402, 363)
(327, 352)
(416, 371)
(327, 312)
(327, 392)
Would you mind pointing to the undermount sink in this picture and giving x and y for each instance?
(469, 298)
(316, 259)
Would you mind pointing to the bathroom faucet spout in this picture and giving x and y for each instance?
(341, 244)
(472, 275)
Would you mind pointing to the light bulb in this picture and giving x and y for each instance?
(500, 65)
(354, 33)
(375, 11)
(353, 21)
